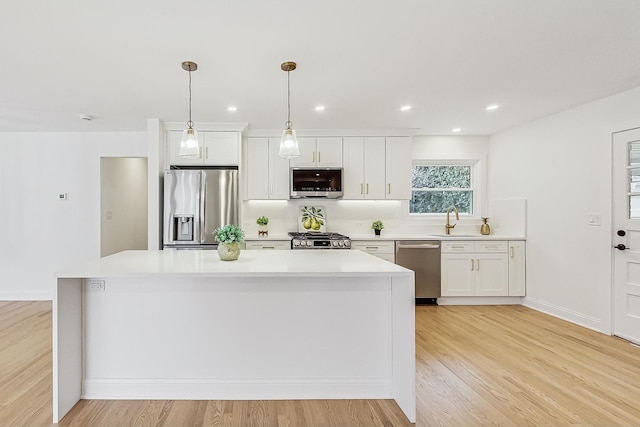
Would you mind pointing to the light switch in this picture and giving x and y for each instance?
(594, 219)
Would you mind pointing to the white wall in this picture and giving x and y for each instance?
(561, 165)
(40, 234)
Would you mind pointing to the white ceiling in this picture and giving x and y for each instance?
(119, 61)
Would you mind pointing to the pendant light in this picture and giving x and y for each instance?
(289, 143)
(189, 146)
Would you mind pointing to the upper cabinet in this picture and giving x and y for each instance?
(377, 168)
(318, 153)
(267, 173)
(398, 168)
(364, 168)
(216, 149)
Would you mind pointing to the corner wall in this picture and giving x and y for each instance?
(562, 165)
(40, 234)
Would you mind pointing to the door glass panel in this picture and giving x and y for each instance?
(634, 180)
(634, 153)
(634, 207)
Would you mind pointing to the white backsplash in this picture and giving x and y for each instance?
(354, 217)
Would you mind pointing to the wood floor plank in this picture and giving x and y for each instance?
(475, 366)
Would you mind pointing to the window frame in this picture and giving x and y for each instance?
(477, 188)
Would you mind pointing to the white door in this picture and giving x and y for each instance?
(626, 234)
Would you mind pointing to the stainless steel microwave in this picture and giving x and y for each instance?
(316, 182)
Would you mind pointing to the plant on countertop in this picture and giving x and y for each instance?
(263, 220)
(229, 234)
(377, 225)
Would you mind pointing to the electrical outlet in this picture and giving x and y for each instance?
(96, 285)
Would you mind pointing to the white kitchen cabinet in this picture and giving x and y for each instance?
(517, 254)
(377, 168)
(319, 152)
(475, 268)
(268, 244)
(398, 168)
(267, 173)
(364, 168)
(384, 249)
(216, 149)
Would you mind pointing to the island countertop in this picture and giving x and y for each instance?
(193, 263)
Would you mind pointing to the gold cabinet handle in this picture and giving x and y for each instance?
(361, 188)
(367, 188)
(206, 153)
(319, 157)
(471, 264)
(388, 188)
(511, 252)
(477, 264)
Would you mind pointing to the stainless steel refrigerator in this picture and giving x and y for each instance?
(196, 202)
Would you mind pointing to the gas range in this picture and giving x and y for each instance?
(319, 241)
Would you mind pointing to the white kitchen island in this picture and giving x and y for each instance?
(323, 324)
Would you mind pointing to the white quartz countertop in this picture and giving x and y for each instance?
(189, 263)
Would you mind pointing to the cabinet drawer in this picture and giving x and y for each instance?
(373, 246)
(271, 244)
(457, 246)
(492, 246)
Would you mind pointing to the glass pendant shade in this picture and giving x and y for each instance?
(189, 147)
(289, 145)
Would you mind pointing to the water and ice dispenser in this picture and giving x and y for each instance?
(182, 228)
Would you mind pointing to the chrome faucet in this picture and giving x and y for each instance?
(448, 226)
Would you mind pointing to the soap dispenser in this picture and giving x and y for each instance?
(485, 230)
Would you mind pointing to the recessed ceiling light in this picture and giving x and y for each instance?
(232, 108)
(491, 107)
(405, 108)
(320, 108)
(456, 129)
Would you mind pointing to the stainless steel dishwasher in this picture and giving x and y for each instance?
(423, 257)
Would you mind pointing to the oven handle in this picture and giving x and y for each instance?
(419, 246)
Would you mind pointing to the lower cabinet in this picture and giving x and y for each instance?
(517, 254)
(384, 249)
(481, 268)
(268, 244)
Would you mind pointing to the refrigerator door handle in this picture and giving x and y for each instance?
(203, 192)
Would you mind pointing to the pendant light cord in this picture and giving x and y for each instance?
(288, 125)
(190, 123)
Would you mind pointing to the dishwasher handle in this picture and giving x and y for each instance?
(418, 246)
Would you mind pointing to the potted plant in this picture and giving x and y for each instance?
(377, 226)
(262, 226)
(229, 239)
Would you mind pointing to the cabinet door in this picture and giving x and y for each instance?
(257, 168)
(329, 152)
(457, 275)
(307, 157)
(353, 174)
(278, 172)
(374, 167)
(517, 263)
(491, 274)
(398, 168)
(221, 148)
(174, 147)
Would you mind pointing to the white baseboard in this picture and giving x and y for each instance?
(562, 313)
(26, 296)
(230, 389)
(480, 300)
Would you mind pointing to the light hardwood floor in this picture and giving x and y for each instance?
(476, 366)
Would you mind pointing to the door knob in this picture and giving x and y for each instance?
(621, 233)
(620, 247)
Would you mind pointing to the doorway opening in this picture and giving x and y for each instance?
(123, 204)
